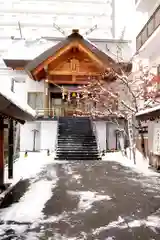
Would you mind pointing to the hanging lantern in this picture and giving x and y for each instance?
(73, 94)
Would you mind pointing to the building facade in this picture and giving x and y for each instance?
(147, 41)
(24, 36)
(28, 81)
(147, 45)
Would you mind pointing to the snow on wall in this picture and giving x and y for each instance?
(45, 136)
(16, 100)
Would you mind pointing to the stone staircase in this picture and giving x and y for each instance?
(76, 140)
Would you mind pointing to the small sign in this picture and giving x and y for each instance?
(73, 94)
(156, 141)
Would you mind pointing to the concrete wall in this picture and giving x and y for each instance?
(45, 136)
(101, 134)
(48, 135)
(27, 136)
(111, 135)
(106, 136)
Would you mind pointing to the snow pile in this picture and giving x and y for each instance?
(27, 167)
(28, 211)
(141, 166)
(19, 229)
(24, 211)
(87, 198)
(13, 98)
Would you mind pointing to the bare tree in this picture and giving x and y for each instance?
(120, 94)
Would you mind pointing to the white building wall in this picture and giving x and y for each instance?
(106, 136)
(34, 86)
(111, 136)
(101, 134)
(22, 89)
(48, 135)
(26, 136)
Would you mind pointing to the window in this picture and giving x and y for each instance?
(35, 100)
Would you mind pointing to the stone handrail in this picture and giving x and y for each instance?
(96, 135)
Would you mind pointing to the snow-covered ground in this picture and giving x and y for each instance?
(141, 166)
(28, 212)
(26, 167)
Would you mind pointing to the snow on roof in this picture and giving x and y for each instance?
(148, 110)
(27, 49)
(13, 98)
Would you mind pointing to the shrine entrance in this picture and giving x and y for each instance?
(65, 104)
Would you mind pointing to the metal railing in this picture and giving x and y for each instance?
(56, 111)
(149, 28)
(61, 111)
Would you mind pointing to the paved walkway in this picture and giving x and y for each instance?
(91, 200)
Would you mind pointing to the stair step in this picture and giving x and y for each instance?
(77, 154)
(77, 151)
(77, 136)
(76, 140)
(78, 159)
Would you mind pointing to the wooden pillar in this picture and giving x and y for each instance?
(1, 152)
(46, 99)
(10, 148)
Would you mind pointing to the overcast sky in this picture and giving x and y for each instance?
(127, 16)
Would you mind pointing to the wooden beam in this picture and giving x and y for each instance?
(19, 68)
(10, 149)
(1, 152)
(46, 98)
(92, 56)
(73, 73)
(53, 58)
(81, 82)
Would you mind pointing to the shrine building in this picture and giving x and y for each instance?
(54, 79)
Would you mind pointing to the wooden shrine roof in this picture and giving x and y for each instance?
(11, 107)
(31, 65)
(74, 36)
